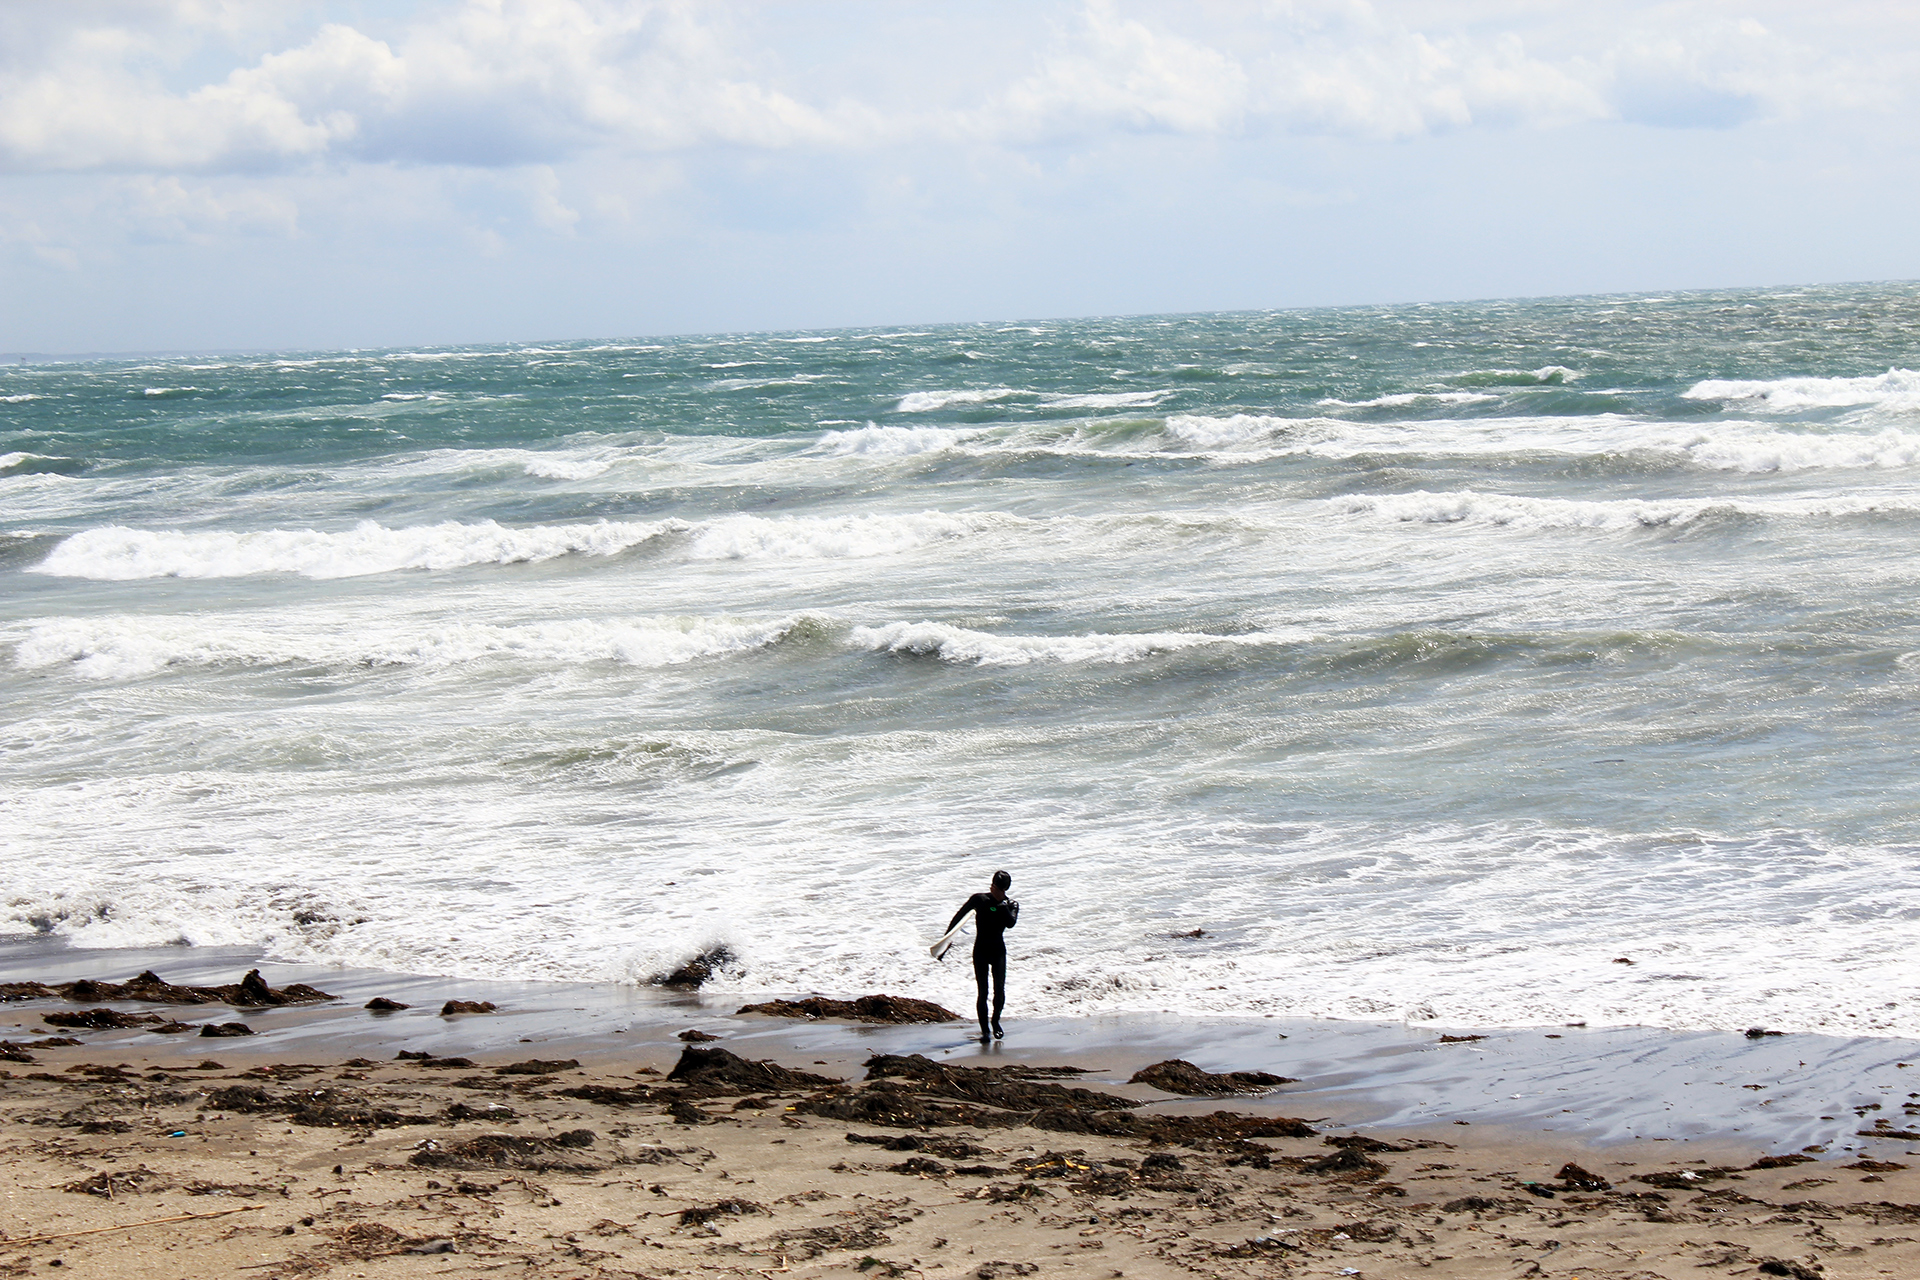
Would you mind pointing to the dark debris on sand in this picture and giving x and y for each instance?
(713, 1071)
(506, 1151)
(1179, 1076)
(874, 1008)
(1010, 1088)
(330, 1108)
(149, 987)
(914, 1092)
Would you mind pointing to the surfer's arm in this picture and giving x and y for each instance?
(961, 914)
(1013, 913)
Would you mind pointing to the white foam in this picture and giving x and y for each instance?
(8, 461)
(561, 467)
(120, 554)
(756, 384)
(891, 442)
(120, 648)
(1764, 451)
(1402, 399)
(1725, 446)
(927, 401)
(544, 464)
(21, 398)
(158, 392)
(115, 553)
(836, 537)
(986, 649)
(1896, 388)
(1105, 400)
(1466, 506)
(1232, 432)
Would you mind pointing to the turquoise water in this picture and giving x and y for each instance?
(1427, 658)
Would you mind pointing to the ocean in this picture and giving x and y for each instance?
(1498, 663)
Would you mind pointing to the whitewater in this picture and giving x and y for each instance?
(1508, 663)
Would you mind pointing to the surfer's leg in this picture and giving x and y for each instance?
(981, 965)
(999, 991)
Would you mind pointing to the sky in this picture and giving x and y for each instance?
(265, 174)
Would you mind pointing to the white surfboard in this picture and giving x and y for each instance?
(939, 949)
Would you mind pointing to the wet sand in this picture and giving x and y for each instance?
(131, 1127)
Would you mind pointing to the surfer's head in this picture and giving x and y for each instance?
(1001, 880)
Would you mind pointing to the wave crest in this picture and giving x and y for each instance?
(128, 648)
(928, 401)
(837, 537)
(117, 554)
(981, 648)
(890, 442)
(1896, 388)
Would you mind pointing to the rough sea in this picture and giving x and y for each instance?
(1417, 662)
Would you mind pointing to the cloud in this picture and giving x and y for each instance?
(475, 84)
(1347, 71)
(502, 83)
(1122, 73)
(1350, 69)
(163, 209)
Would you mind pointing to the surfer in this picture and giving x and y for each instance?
(993, 914)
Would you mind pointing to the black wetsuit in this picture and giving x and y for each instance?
(992, 918)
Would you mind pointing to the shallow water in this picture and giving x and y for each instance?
(1429, 659)
(1596, 1085)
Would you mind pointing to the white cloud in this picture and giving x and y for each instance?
(168, 209)
(481, 83)
(1122, 73)
(1347, 71)
(1346, 68)
(490, 83)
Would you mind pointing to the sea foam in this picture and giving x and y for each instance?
(986, 649)
(123, 648)
(120, 554)
(890, 442)
(1896, 388)
(927, 401)
(834, 537)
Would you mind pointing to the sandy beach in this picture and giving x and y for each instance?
(599, 1142)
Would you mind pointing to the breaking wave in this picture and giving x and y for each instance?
(836, 537)
(117, 554)
(1552, 375)
(126, 648)
(20, 463)
(891, 442)
(1896, 388)
(982, 648)
(1402, 399)
(1467, 506)
(1785, 451)
(927, 401)
(1105, 400)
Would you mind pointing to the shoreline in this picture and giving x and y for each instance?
(1599, 1086)
(573, 1134)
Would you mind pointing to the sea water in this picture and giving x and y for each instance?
(1421, 662)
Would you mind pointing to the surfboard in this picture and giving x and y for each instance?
(939, 949)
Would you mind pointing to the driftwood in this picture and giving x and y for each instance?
(151, 1222)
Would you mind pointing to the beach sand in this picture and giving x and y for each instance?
(564, 1150)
